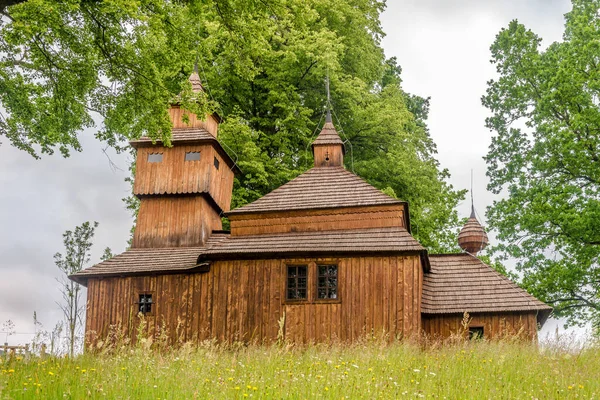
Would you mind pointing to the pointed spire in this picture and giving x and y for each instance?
(472, 204)
(195, 79)
(328, 147)
(472, 237)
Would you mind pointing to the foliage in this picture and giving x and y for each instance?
(78, 244)
(68, 64)
(365, 371)
(107, 254)
(545, 157)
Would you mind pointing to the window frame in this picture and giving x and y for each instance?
(476, 330)
(312, 296)
(216, 163)
(152, 303)
(287, 280)
(327, 288)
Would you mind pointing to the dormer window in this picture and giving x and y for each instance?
(216, 162)
(192, 156)
(155, 157)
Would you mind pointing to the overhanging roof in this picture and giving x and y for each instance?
(459, 283)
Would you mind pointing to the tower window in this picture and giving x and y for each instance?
(216, 163)
(192, 156)
(327, 281)
(145, 303)
(475, 332)
(297, 278)
(155, 157)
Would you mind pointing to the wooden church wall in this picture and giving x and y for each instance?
(174, 222)
(495, 325)
(175, 175)
(245, 301)
(318, 220)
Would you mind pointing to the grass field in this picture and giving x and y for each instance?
(479, 370)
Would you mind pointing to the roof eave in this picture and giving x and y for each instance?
(82, 279)
(240, 211)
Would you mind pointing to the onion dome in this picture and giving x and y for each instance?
(472, 237)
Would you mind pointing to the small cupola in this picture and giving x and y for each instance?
(472, 237)
(328, 148)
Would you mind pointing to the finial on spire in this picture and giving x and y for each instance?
(472, 203)
(328, 116)
(196, 65)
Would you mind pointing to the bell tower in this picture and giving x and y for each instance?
(328, 148)
(183, 189)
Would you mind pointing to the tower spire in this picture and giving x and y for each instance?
(328, 116)
(472, 203)
(472, 237)
(328, 148)
(195, 79)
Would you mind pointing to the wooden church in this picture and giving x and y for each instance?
(324, 257)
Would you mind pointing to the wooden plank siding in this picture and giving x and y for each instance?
(176, 114)
(244, 300)
(318, 220)
(495, 325)
(175, 222)
(173, 175)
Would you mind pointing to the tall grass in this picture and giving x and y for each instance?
(499, 370)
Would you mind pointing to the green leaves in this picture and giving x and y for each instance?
(69, 65)
(545, 111)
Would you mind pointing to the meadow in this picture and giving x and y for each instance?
(369, 370)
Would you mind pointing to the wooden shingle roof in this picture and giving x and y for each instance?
(180, 136)
(144, 261)
(138, 261)
(459, 283)
(328, 136)
(319, 187)
(355, 241)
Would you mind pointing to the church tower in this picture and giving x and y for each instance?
(183, 189)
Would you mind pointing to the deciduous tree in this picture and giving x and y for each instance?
(68, 65)
(546, 159)
(78, 244)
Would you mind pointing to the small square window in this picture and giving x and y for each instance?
(155, 157)
(475, 332)
(216, 163)
(297, 282)
(327, 281)
(145, 303)
(192, 156)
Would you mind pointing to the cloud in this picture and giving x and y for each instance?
(39, 200)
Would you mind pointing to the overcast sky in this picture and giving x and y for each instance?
(443, 48)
